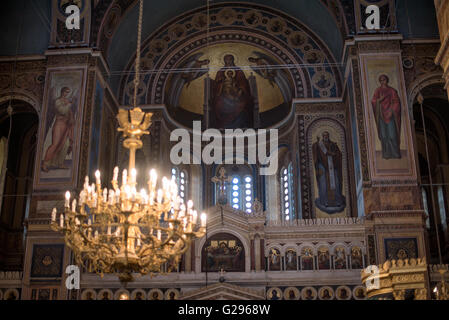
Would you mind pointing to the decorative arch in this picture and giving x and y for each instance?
(21, 96)
(112, 20)
(421, 83)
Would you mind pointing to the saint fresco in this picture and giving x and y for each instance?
(327, 159)
(389, 132)
(62, 111)
(60, 129)
(387, 112)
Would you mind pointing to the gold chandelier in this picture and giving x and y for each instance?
(121, 230)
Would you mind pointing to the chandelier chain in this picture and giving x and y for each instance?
(137, 64)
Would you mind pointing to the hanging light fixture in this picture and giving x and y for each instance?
(120, 230)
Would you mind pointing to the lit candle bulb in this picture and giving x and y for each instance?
(194, 216)
(133, 175)
(97, 177)
(74, 205)
(82, 197)
(138, 240)
(67, 199)
(159, 235)
(124, 177)
(182, 211)
(203, 219)
(96, 234)
(111, 197)
(105, 195)
(115, 177)
(86, 182)
(53, 215)
(61, 220)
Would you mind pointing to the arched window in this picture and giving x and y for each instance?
(286, 186)
(181, 178)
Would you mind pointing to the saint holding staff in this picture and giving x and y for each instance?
(327, 159)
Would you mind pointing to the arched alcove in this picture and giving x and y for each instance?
(16, 176)
(223, 251)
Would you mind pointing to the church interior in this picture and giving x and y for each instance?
(355, 90)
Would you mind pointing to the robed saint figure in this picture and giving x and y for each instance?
(387, 113)
(327, 159)
(63, 109)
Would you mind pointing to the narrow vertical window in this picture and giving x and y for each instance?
(248, 194)
(286, 183)
(180, 176)
(235, 195)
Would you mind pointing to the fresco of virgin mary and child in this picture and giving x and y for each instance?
(220, 80)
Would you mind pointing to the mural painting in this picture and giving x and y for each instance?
(291, 260)
(59, 134)
(340, 258)
(274, 259)
(387, 117)
(401, 248)
(223, 252)
(309, 293)
(307, 259)
(328, 167)
(356, 258)
(235, 91)
(327, 159)
(323, 258)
